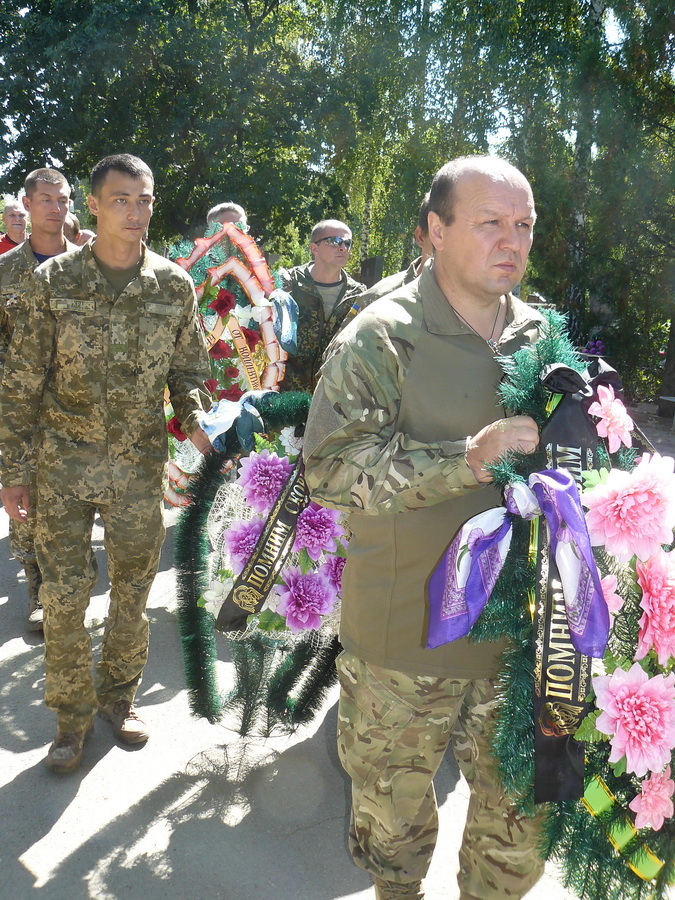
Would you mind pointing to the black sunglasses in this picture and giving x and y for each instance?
(335, 241)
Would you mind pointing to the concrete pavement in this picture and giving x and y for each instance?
(199, 813)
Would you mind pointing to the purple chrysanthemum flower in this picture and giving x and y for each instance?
(303, 599)
(261, 478)
(239, 541)
(332, 570)
(316, 530)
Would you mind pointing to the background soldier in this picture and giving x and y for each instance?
(228, 212)
(324, 293)
(74, 232)
(46, 199)
(103, 330)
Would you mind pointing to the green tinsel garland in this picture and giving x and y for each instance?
(266, 670)
(572, 836)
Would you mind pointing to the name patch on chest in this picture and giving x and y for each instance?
(68, 303)
(160, 309)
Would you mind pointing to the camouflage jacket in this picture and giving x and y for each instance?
(402, 387)
(16, 267)
(91, 370)
(314, 332)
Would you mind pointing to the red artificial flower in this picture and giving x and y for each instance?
(221, 350)
(173, 427)
(231, 372)
(252, 337)
(211, 385)
(224, 303)
(232, 393)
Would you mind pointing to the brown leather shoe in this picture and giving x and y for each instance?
(127, 724)
(65, 753)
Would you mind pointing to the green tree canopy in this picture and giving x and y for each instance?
(301, 109)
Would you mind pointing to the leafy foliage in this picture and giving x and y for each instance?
(301, 109)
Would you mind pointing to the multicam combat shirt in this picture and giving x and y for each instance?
(404, 384)
(91, 368)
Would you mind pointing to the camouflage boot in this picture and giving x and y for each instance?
(389, 890)
(35, 613)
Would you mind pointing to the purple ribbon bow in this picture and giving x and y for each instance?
(456, 600)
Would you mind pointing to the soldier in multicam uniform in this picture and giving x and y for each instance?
(46, 199)
(402, 425)
(103, 329)
(324, 294)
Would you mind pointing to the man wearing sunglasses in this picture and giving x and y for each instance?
(324, 294)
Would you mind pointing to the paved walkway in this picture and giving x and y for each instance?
(198, 813)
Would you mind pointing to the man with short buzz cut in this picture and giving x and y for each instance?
(391, 282)
(228, 212)
(14, 218)
(325, 293)
(103, 330)
(46, 199)
(402, 427)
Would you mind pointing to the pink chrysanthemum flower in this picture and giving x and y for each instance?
(613, 600)
(304, 599)
(261, 478)
(638, 712)
(317, 530)
(633, 513)
(239, 541)
(654, 804)
(615, 424)
(656, 577)
(332, 570)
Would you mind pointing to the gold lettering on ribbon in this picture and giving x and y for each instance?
(559, 719)
(561, 659)
(261, 571)
(239, 342)
(246, 598)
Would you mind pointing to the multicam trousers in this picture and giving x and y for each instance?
(393, 730)
(134, 531)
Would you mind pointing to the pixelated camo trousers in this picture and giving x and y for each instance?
(134, 531)
(393, 730)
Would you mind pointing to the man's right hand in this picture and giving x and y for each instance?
(517, 433)
(16, 501)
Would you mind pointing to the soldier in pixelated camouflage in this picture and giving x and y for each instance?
(47, 199)
(403, 422)
(101, 331)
